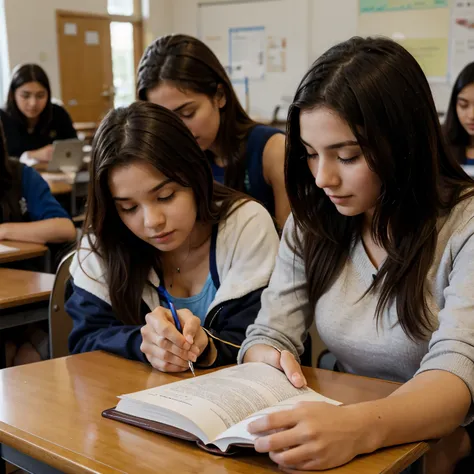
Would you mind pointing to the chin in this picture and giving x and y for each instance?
(348, 211)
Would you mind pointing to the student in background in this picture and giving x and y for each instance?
(459, 125)
(28, 210)
(158, 229)
(380, 254)
(30, 120)
(182, 74)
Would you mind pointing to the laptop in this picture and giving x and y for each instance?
(67, 155)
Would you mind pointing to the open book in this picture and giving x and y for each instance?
(214, 409)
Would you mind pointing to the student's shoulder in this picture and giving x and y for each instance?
(59, 112)
(5, 117)
(246, 210)
(460, 220)
(87, 259)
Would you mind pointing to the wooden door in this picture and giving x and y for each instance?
(85, 63)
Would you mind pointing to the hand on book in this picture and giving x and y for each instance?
(312, 436)
(283, 360)
(165, 347)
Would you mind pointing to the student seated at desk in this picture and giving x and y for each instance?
(181, 73)
(159, 230)
(459, 125)
(28, 210)
(30, 120)
(380, 254)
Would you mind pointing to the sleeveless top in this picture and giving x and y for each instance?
(255, 184)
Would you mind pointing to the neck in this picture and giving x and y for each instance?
(197, 237)
(31, 122)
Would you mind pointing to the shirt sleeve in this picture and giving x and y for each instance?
(451, 347)
(40, 203)
(285, 316)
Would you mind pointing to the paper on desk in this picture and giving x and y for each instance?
(6, 249)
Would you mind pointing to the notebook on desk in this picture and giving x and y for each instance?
(215, 409)
(7, 249)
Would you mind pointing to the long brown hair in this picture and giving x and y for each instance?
(6, 180)
(189, 64)
(22, 75)
(457, 137)
(379, 89)
(150, 133)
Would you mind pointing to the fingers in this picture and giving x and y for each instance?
(190, 324)
(277, 441)
(299, 457)
(274, 421)
(154, 345)
(292, 369)
(163, 324)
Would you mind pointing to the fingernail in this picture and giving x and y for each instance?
(296, 378)
(190, 339)
(193, 357)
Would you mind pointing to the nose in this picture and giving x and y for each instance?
(325, 172)
(153, 217)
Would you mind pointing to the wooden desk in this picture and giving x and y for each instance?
(25, 251)
(21, 287)
(50, 415)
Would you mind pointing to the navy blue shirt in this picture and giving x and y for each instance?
(255, 184)
(37, 200)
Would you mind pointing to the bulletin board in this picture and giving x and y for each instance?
(421, 26)
(241, 33)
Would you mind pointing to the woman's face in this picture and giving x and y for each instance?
(200, 113)
(337, 163)
(31, 99)
(465, 108)
(157, 210)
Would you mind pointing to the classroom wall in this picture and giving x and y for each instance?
(31, 32)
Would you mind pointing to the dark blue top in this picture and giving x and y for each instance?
(255, 184)
(37, 199)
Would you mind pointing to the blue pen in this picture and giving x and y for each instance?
(165, 296)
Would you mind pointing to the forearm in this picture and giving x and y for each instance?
(430, 406)
(46, 231)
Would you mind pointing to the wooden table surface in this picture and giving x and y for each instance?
(25, 251)
(51, 411)
(20, 287)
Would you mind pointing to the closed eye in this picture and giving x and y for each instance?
(347, 161)
(128, 209)
(167, 198)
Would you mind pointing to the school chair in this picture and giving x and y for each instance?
(60, 323)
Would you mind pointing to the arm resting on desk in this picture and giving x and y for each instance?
(48, 231)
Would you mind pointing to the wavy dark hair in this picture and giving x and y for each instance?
(6, 177)
(379, 89)
(22, 75)
(152, 134)
(456, 135)
(189, 64)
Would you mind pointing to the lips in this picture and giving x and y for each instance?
(163, 235)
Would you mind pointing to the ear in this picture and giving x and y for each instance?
(220, 98)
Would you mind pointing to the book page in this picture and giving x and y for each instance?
(214, 402)
(239, 432)
(7, 249)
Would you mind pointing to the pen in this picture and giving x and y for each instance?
(178, 327)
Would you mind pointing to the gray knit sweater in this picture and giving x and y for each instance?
(345, 319)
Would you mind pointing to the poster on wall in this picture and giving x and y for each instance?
(462, 37)
(371, 6)
(431, 54)
(247, 53)
(276, 54)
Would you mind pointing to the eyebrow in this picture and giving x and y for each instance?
(156, 188)
(334, 146)
(182, 106)
(463, 98)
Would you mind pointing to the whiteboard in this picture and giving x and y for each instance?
(280, 18)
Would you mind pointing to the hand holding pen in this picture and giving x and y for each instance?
(172, 342)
